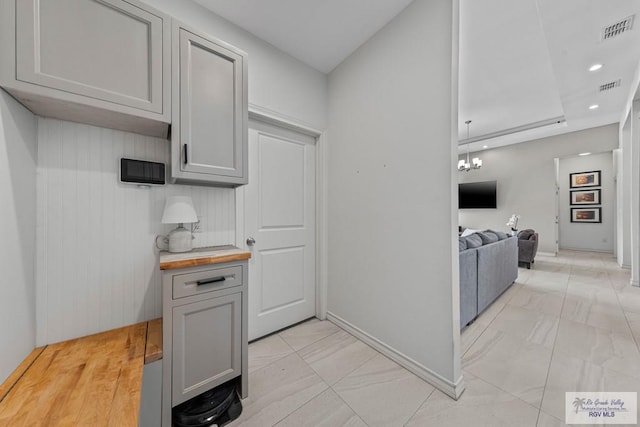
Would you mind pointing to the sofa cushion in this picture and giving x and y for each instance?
(462, 243)
(488, 237)
(473, 241)
(500, 234)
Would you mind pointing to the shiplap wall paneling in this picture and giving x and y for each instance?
(97, 265)
(18, 160)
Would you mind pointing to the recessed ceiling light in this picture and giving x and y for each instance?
(593, 107)
(595, 67)
(485, 146)
(584, 154)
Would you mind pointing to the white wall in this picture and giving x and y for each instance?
(97, 264)
(624, 201)
(392, 105)
(635, 194)
(18, 214)
(277, 81)
(582, 236)
(617, 162)
(526, 180)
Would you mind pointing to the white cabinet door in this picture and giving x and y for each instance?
(280, 216)
(210, 110)
(109, 50)
(207, 345)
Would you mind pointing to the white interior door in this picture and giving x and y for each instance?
(280, 216)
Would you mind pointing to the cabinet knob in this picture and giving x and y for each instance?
(251, 241)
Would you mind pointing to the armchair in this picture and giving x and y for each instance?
(527, 247)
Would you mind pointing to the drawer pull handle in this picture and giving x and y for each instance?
(212, 280)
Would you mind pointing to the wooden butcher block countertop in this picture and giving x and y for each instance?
(90, 381)
(202, 256)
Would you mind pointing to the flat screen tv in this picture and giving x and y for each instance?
(477, 195)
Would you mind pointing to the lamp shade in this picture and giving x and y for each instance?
(179, 209)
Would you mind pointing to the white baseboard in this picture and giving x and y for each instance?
(449, 388)
(546, 253)
(602, 251)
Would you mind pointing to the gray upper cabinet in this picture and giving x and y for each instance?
(209, 125)
(102, 62)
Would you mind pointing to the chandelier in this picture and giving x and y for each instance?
(476, 163)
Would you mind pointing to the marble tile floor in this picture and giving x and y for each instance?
(571, 323)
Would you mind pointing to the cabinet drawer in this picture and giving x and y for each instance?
(213, 279)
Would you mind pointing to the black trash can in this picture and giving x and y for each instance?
(218, 406)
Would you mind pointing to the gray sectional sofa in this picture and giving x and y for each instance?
(488, 266)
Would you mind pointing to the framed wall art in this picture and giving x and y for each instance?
(584, 179)
(588, 215)
(585, 197)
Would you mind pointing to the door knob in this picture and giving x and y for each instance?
(251, 241)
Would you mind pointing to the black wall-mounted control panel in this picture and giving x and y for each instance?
(141, 172)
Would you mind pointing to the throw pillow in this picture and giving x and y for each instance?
(473, 241)
(488, 237)
(462, 244)
(468, 232)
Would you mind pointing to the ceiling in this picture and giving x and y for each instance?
(320, 33)
(524, 65)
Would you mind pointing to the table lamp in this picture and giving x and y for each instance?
(178, 210)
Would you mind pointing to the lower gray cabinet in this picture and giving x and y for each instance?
(204, 322)
(206, 345)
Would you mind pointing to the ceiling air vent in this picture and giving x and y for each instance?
(618, 28)
(608, 86)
